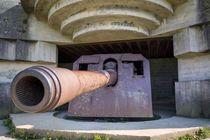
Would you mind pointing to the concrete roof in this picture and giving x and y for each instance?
(104, 20)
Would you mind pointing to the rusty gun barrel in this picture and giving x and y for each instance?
(40, 89)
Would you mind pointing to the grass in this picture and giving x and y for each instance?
(199, 134)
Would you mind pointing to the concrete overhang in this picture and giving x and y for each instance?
(86, 21)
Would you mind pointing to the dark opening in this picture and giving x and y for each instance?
(30, 91)
(149, 48)
(83, 67)
(138, 68)
(110, 64)
(164, 73)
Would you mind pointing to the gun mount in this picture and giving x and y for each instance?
(129, 97)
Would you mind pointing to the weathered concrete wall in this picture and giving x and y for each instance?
(7, 49)
(35, 51)
(204, 10)
(194, 68)
(164, 73)
(7, 4)
(191, 13)
(16, 24)
(191, 47)
(193, 98)
(5, 100)
(192, 41)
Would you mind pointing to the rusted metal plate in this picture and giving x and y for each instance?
(130, 97)
(128, 57)
(89, 60)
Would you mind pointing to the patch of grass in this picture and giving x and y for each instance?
(199, 134)
(22, 134)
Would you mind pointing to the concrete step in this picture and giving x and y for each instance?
(166, 128)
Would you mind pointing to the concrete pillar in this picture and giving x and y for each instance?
(16, 56)
(7, 50)
(5, 100)
(191, 47)
(36, 51)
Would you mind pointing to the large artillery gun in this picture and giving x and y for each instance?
(117, 86)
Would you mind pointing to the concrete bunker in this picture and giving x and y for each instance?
(28, 38)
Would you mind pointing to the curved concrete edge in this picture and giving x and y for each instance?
(41, 8)
(29, 5)
(81, 19)
(163, 3)
(108, 32)
(165, 129)
(159, 7)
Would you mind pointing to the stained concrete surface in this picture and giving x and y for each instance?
(163, 129)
